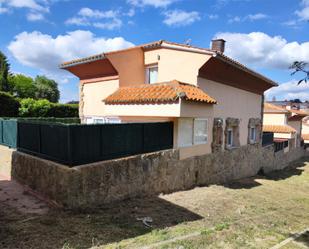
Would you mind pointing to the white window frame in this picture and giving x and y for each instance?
(147, 74)
(194, 125)
(252, 140)
(227, 137)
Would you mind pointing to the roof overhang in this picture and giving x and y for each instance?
(91, 67)
(296, 118)
(222, 69)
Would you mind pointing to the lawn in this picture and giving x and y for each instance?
(257, 212)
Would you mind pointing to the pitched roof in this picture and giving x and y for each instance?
(270, 108)
(299, 112)
(158, 93)
(168, 44)
(305, 136)
(279, 129)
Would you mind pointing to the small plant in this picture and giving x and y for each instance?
(222, 226)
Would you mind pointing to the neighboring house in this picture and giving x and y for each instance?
(286, 124)
(215, 102)
(305, 130)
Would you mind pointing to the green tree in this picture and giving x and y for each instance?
(46, 89)
(302, 67)
(22, 86)
(4, 73)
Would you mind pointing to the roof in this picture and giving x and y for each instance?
(305, 136)
(299, 112)
(171, 45)
(158, 93)
(270, 108)
(279, 129)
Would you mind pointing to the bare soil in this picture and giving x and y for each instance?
(257, 212)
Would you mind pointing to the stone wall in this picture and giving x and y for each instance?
(143, 175)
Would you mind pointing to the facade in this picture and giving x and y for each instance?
(286, 124)
(214, 101)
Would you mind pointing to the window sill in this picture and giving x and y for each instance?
(232, 148)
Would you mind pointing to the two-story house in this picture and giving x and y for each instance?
(286, 124)
(215, 102)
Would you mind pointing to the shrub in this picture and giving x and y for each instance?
(34, 108)
(63, 111)
(44, 108)
(8, 105)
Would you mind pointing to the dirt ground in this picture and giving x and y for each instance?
(256, 212)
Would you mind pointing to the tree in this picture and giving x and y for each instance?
(300, 66)
(22, 86)
(4, 73)
(46, 89)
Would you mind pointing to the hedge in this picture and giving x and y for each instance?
(9, 106)
(63, 110)
(43, 108)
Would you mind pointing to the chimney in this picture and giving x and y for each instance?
(218, 45)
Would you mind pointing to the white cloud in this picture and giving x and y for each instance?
(289, 90)
(257, 16)
(153, 3)
(303, 14)
(90, 17)
(30, 4)
(250, 17)
(263, 51)
(35, 17)
(3, 10)
(213, 16)
(44, 52)
(87, 12)
(180, 17)
(36, 8)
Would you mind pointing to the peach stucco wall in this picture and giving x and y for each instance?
(94, 93)
(130, 66)
(233, 103)
(175, 64)
(177, 109)
(274, 119)
(305, 128)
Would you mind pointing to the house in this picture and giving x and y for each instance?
(286, 124)
(305, 130)
(214, 101)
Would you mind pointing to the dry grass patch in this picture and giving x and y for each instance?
(251, 213)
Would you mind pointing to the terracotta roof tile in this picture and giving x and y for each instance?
(159, 92)
(305, 136)
(279, 129)
(274, 108)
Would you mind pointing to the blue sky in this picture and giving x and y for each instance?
(266, 35)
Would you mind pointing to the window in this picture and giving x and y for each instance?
(230, 137)
(192, 131)
(185, 132)
(252, 134)
(152, 74)
(200, 131)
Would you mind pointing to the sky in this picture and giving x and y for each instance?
(265, 35)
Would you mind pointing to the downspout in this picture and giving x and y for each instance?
(262, 118)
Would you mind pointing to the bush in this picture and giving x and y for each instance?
(34, 108)
(44, 108)
(63, 111)
(8, 105)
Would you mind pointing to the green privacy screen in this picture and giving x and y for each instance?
(8, 132)
(81, 144)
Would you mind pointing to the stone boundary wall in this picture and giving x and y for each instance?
(143, 175)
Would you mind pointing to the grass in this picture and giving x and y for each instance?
(251, 213)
